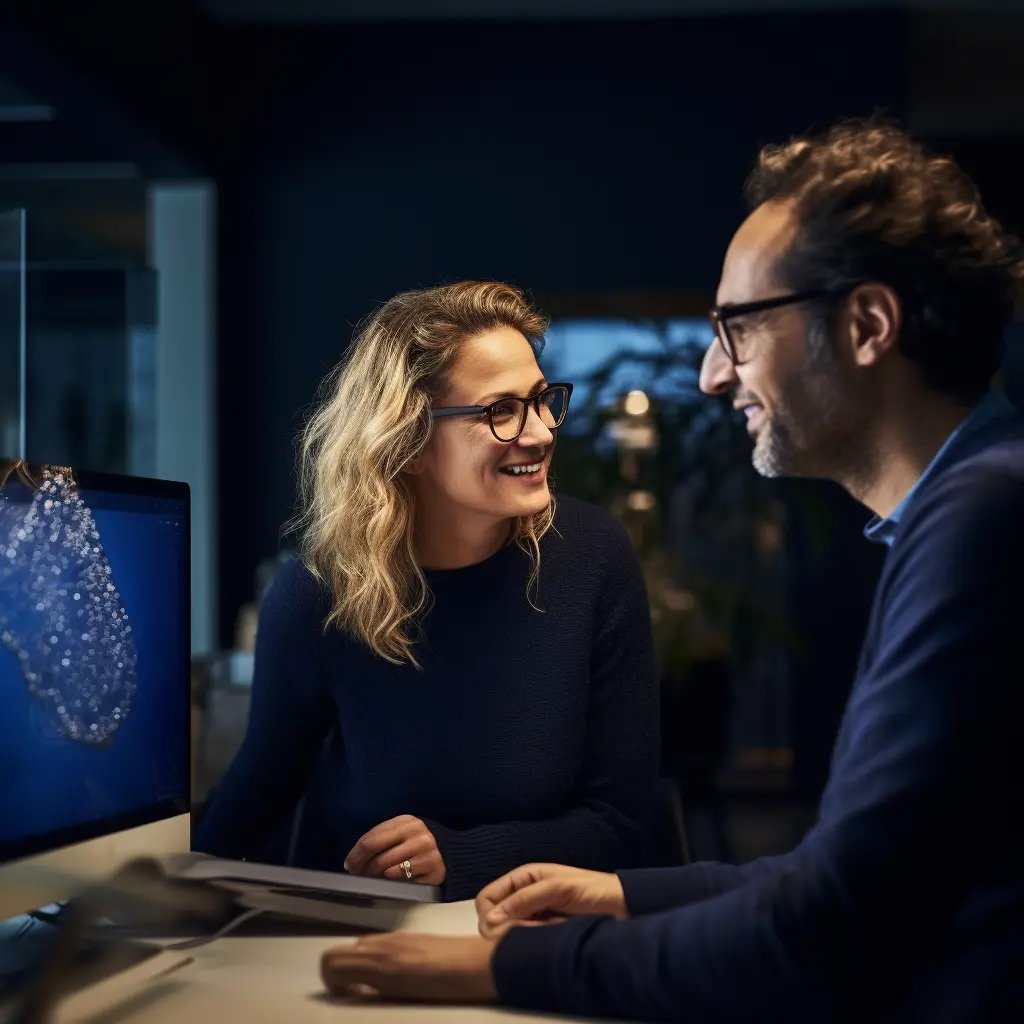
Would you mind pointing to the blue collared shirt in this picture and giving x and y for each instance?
(992, 407)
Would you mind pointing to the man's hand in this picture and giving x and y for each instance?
(427, 968)
(381, 852)
(547, 893)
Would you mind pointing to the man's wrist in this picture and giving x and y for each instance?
(491, 993)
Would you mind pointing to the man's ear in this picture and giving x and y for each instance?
(874, 318)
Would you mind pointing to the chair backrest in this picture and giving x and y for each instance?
(670, 844)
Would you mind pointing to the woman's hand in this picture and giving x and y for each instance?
(382, 851)
(545, 894)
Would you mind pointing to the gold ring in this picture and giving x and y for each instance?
(406, 866)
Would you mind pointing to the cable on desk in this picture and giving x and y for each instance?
(202, 940)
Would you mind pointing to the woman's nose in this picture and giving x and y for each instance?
(536, 433)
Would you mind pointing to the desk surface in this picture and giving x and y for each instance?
(276, 980)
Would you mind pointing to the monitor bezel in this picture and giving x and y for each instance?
(143, 487)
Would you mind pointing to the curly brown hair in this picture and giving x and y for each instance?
(875, 205)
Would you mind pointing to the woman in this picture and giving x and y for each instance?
(479, 663)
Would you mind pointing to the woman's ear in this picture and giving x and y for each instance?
(875, 319)
(415, 465)
(418, 463)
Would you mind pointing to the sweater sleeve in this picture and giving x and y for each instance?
(289, 718)
(603, 827)
(852, 913)
(648, 890)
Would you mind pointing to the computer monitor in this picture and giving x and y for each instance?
(94, 676)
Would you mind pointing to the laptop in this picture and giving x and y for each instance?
(372, 903)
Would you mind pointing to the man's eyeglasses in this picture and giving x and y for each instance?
(507, 416)
(721, 315)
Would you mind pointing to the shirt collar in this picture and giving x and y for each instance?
(992, 407)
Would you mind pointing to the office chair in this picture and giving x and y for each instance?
(670, 845)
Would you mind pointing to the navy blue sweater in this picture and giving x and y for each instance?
(906, 899)
(527, 735)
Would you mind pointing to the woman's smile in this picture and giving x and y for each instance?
(534, 472)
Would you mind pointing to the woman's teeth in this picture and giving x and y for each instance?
(522, 470)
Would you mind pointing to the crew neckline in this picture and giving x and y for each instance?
(472, 567)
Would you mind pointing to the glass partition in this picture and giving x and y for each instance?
(77, 348)
(90, 373)
(12, 334)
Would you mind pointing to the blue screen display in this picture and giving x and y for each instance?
(94, 655)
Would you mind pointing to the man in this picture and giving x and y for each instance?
(858, 323)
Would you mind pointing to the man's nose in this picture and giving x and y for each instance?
(717, 374)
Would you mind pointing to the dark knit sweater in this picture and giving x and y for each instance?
(905, 902)
(527, 735)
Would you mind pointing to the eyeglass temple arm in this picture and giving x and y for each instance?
(726, 312)
(466, 410)
(456, 410)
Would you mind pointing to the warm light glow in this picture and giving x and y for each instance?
(640, 501)
(636, 403)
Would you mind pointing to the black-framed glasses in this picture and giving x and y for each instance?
(507, 416)
(721, 315)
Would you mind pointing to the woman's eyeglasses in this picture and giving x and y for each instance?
(507, 416)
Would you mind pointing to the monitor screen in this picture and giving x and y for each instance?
(94, 655)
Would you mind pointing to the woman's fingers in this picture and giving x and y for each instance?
(380, 838)
(416, 850)
(427, 867)
(382, 851)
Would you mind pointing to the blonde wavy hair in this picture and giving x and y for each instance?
(357, 507)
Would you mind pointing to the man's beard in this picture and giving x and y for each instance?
(789, 443)
(775, 452)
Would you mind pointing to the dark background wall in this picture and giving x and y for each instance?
(566, 157)
(354, 159)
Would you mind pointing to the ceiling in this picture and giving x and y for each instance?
(299, 11)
